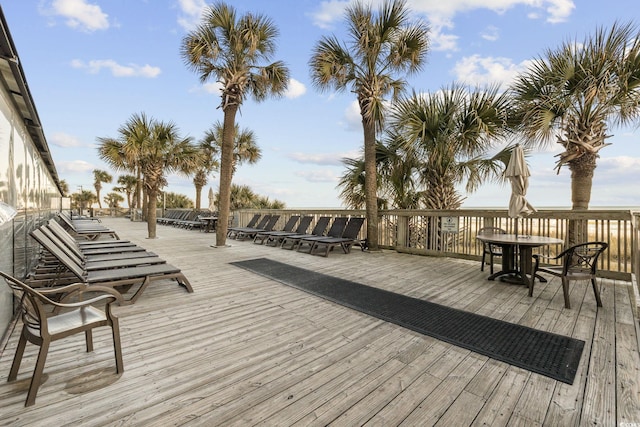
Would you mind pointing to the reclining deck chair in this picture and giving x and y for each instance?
(95, 248)
(579, 262)
(250, 233)
(336, 230)
(113, 277)
(253, 222)
(47, 239)
(42, 328)
(88, 232)
(349, 238)
(261, 236)
(292, 240)
(274, 238)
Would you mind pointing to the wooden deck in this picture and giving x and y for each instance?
(243, 350)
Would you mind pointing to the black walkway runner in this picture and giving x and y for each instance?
(552, 355)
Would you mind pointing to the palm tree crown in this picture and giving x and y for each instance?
(575, 92)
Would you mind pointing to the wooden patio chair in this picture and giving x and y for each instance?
(579, 262)
(71, 315)
(488, 249)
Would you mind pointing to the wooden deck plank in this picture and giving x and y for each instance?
(244, 350)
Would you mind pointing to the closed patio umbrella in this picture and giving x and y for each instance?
(211, 200)
(518, 173)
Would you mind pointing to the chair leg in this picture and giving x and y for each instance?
(37, 374)
(596, 291)
(491, 263)
(88, 334)
(565, 290)
(484, 254)
(117, 347)
(17, 359)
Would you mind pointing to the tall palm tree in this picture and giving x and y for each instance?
(64, 188)
(209, 164)
(99, 177)
(160, 151)
(125, 151)
(231, 49)
(380, 46)
(453, 133)
(128, 184)
(574, 93)
(245, 150)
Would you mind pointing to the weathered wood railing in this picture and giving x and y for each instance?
(452, 233)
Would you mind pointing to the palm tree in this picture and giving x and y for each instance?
(380, 46)
(128, 184)
(209, 164)
(575, 92)
(82, 199)
(161, 151)
(452, 133)
(126, 151)
(64, 187)
(99, 177)
(113, 200)
(245, 151)
(230, 49)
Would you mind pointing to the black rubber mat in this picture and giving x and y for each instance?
(552, 355)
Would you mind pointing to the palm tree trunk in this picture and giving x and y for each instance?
(198, 196)
(370, 183)
(226, 173)
(151, 212)
(582, 170)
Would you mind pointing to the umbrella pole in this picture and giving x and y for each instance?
(516, 227)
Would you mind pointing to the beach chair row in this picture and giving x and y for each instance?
(187, 219)
(344, 233)
(116, 263)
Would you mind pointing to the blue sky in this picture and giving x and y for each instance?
(91, 64)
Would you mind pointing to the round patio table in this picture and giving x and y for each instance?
(512, 244)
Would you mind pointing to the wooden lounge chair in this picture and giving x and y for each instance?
(71, 315)
(250, 233)
(292, 240)
(274, 238)
(579, 262)
(141, 274)
(349, 238)
(253, 222)
(261, 236)
(336, 230)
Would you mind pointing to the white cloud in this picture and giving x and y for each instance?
(323, 159)
(61, 139)
(80, 14)
(74, 166)
(491, 33)
(476, 70)
(117, 70)
(190, 13)
(319, 175)
(295, 89)
(440, 14)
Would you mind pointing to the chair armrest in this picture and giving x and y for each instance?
(107, 294)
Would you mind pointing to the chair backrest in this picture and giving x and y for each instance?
(491, 230)
(291, 222)
(353, 227)
(304, 224)
(582, 257)
(32, 305)
(321, 226)
(271, 223)
(253, 221)
(58, 252)
(263, 222)
(337, 227)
